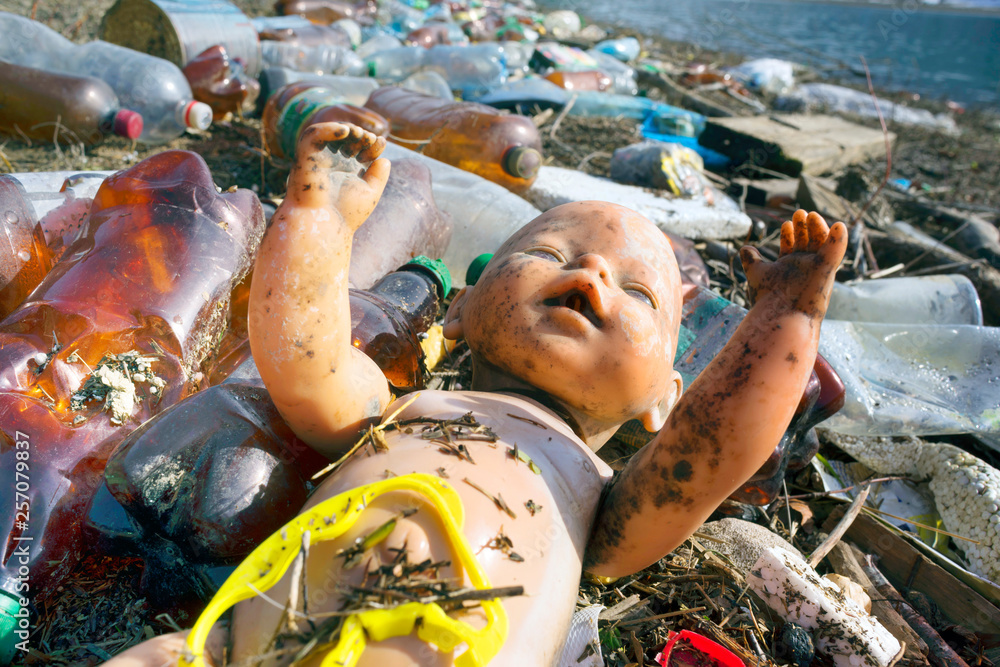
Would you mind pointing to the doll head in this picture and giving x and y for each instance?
(583, 303)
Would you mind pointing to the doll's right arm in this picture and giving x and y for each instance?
(300, 320)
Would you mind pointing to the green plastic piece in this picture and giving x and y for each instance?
(476, 267)
(437, 269)
(9, 606)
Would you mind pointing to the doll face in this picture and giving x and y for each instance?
(584, 304)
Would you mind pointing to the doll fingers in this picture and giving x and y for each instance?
(817, 230)
(787, 237)
(800, 230)
(752, 262)
(833, 249)
(377, 174)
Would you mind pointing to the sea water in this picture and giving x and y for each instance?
(935, 51)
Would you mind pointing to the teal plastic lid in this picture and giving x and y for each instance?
(437, 269)
(476, 267)
(9, 605)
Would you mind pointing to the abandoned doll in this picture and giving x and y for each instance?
(572, 326)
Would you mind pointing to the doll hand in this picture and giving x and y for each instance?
(803, 275)
(320, 180)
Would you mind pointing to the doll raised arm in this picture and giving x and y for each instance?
(732, 417)
(300, 320)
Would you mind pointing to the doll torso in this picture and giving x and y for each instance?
(552, 488)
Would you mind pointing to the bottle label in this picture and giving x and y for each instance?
(297, 113)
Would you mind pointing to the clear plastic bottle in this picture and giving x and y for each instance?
(244, 473)
(943, 299)
(622, 75)
(506, 149)
(377, 43)
(33, 101)
(114, 334)
(472, 70)
(149, 85)
(296, 106)
(393, 65)
(321, 58)
(428, 82)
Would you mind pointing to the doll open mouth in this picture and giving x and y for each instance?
(577, 301)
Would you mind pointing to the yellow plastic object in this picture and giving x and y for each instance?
(333, 517)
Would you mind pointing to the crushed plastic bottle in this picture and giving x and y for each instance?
(146, 84)
(296, 106)
(114, 334)
(941, 299)
(25, 259)
(506, 149)
(654, 164)
(48, 106)
(216, 82)
(470, 70)
(244, 473)
(61, 202)
(322, 11)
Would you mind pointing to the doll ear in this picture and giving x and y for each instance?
(453, 328)
(654, 418)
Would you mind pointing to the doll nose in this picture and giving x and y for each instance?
(599, 265)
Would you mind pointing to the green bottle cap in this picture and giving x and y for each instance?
(476, 267)
(9, 606)
(437, 269)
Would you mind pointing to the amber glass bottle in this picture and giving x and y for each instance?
(113, 335)
(198, 487)
(296, 106)
(503, 148)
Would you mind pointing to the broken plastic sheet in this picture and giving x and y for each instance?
(583, 633)
(912, 379)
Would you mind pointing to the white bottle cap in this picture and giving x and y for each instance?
(198, 115)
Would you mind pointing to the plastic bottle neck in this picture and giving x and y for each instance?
(414, 293)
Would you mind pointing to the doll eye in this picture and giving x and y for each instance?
(544, 253)
(640, 294)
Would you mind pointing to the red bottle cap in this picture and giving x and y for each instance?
(128, 124)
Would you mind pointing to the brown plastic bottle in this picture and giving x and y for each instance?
(585, 80)
(139, 301)
(199, 486)
(503, 148)
(86, 109)
(24, 257)
(429, 35)
(214, 82)
(323, 11)
(296, 106)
